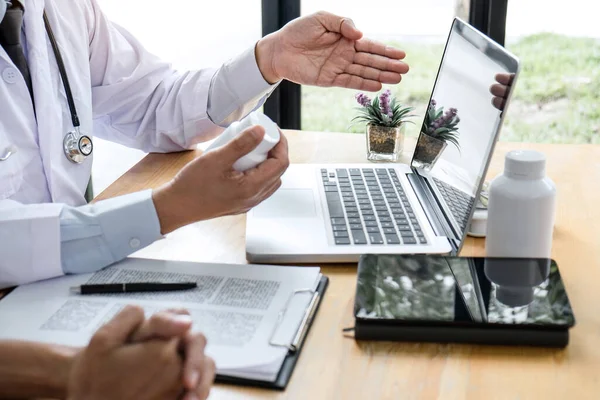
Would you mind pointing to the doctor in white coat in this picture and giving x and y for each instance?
(122, 93)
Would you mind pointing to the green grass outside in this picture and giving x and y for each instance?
(557, 97)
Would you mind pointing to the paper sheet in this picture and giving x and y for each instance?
(236, 306)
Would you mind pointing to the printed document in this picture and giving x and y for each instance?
(244, 310)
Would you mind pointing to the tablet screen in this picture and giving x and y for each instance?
(436, 289)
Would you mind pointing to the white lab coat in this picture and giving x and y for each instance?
(122, 93)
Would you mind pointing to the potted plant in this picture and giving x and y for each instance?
(385, 119)
(439, 128)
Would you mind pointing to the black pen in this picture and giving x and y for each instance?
(133, 287)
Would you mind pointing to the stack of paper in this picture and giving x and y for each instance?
(242, 309)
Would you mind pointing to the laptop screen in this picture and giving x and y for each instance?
(464, 117)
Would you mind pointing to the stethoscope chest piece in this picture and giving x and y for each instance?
(77, 147)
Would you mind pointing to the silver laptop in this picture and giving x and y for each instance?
(336, 212)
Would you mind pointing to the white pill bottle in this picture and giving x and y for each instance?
(521, 208)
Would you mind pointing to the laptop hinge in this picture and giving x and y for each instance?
(434, 214)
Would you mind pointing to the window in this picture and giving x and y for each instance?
(190, 34)
(557, 97)
(420, 27)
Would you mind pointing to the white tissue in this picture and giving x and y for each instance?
(260, 153)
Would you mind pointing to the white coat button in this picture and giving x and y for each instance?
(134, 243)
(10, 75)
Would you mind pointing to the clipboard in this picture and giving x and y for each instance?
(294, 348)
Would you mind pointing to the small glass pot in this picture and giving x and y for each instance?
(428, 151)
(384, 144)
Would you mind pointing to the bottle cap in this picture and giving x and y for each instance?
(525, 164)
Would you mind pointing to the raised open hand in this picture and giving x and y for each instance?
(323, 49)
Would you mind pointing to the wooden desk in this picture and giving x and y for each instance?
(336, 367)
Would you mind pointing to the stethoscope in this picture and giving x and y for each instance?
(77, 147)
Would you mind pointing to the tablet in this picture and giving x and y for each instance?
(505, 301)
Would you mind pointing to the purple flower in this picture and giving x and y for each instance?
(363, 99)
(449, 115)
(446, 119)
(384, 103)
(433, 103)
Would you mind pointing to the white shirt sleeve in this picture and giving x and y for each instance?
(237, 89)
(99, 234)
(29, 242)
(42, 241)
(142, 102)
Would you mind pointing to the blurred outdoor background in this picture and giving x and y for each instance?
(556, 99)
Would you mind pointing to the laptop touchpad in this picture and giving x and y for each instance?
(288, 203)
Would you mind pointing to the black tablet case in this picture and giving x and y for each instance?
(509, 336)
(289, 364)
(460, 332)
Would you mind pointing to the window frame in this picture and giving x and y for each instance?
(283, 106)
(489, 16)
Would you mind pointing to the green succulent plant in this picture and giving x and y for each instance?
(442, 125)
(383, 110)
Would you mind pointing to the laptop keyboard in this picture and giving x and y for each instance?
(369, 206)
(458, 201)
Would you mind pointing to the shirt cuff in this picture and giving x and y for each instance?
(97, 235)
(131, 224)
(237, 88)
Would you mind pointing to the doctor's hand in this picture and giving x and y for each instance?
(323, 49)
(209, 187)
(113, 368)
